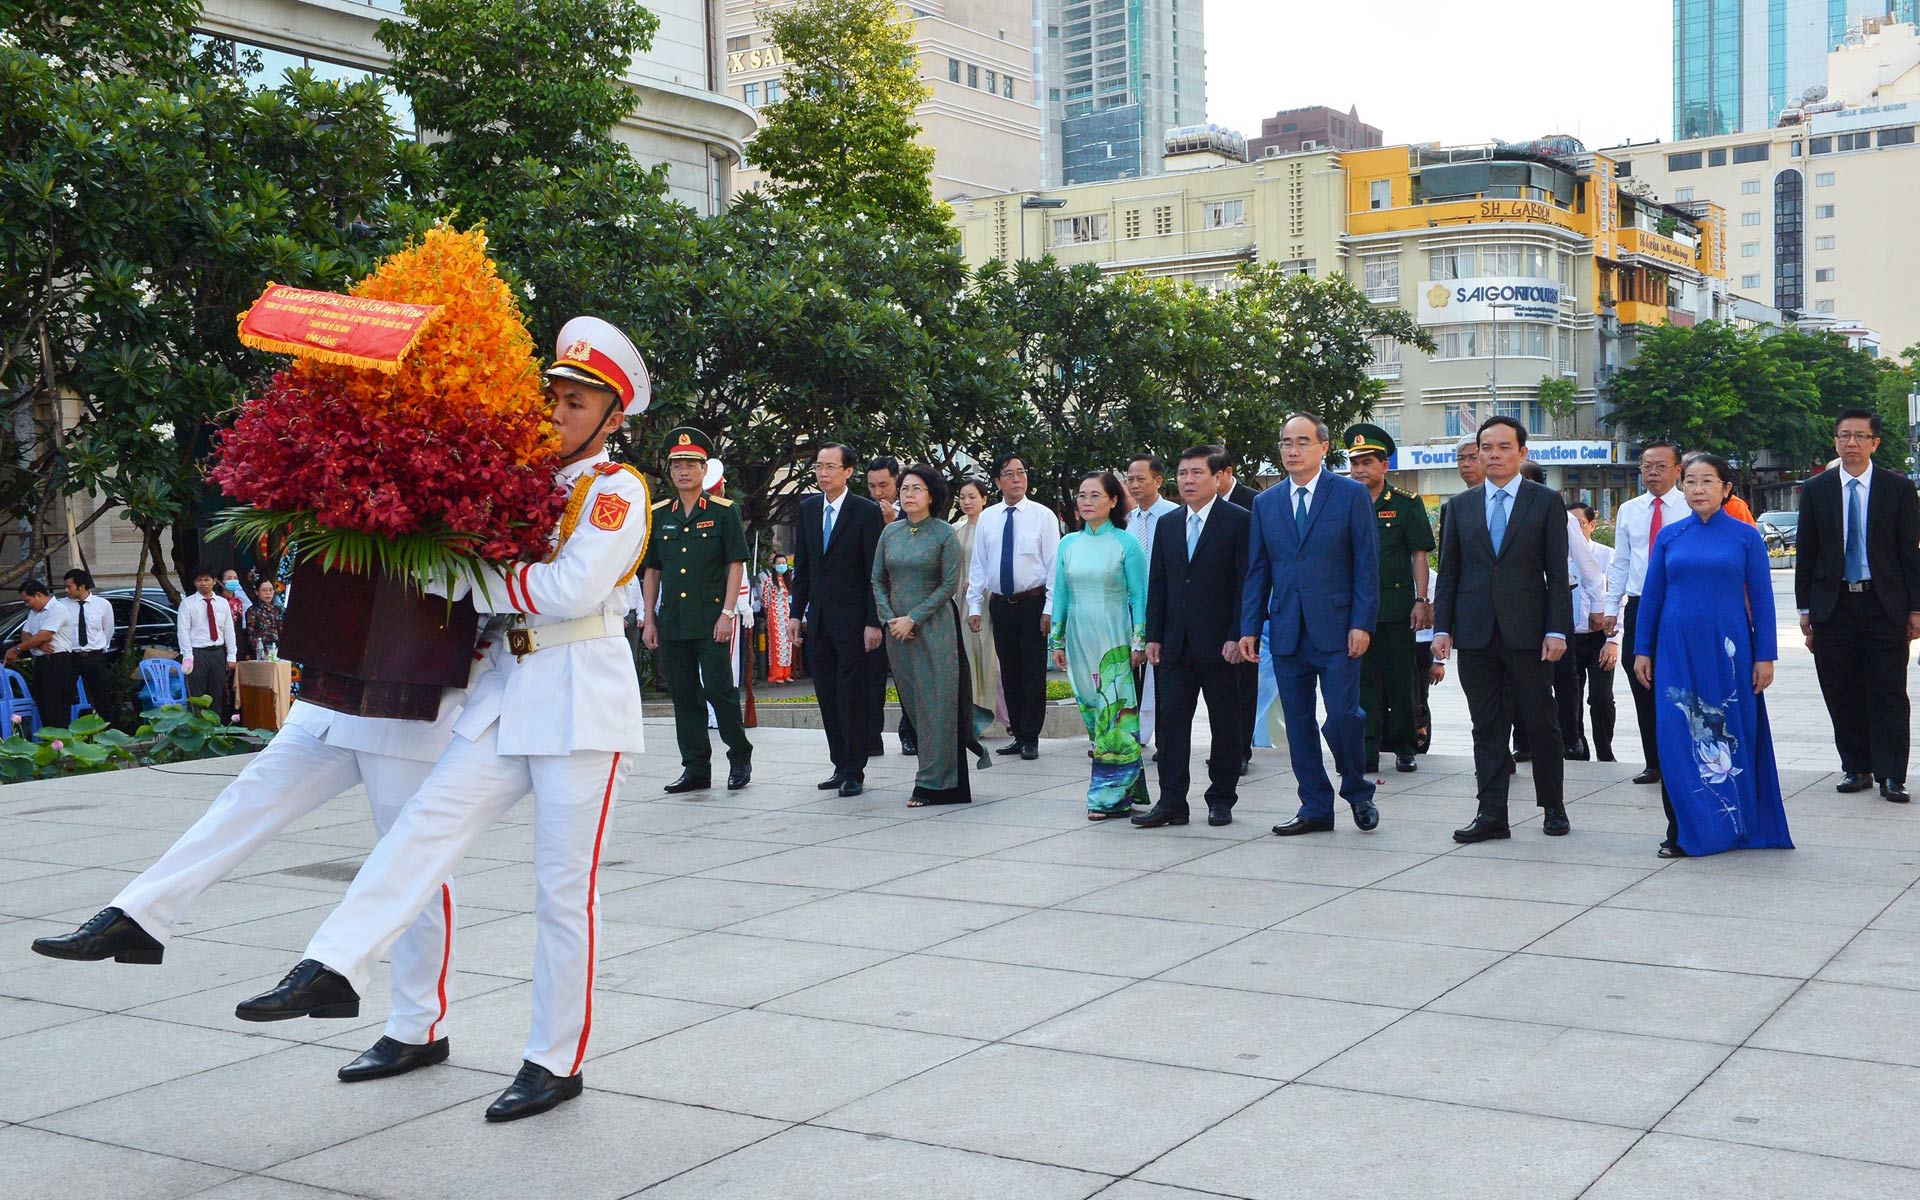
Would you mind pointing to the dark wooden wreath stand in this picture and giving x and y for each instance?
(373, 645)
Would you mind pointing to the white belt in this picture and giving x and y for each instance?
(523, 641)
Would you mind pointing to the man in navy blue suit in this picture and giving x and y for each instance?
(1313, 578)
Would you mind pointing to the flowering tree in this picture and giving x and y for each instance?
(148, 197)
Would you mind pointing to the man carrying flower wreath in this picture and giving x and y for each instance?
(558, 716)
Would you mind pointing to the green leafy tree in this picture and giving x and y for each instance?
(1899, 379)
(148, 197)
(1715, 387)
(1846, 378)
(842, 139)
(1557, 396)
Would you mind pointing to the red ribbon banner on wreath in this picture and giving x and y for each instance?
(328, 326)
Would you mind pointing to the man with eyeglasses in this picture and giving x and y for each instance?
(1856, 580)
(1635, 527)
(833, 596)
(1011, 581)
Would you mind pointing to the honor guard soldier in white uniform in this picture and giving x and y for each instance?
(559, 715)
(316, 756)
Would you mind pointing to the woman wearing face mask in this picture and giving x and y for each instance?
(776, 599)
(1706, 645)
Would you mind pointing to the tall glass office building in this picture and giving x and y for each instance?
(1119, 74)
(1737, 63)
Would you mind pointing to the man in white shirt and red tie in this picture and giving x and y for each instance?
(1638, 522)
(207, 644)
(1010, 581)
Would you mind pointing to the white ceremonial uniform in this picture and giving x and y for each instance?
(317, 755)
(559, 721)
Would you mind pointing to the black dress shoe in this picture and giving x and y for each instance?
(1650, 775)
(1013, 747)
(533, 1091)
(311, 989)
(1555, 823)
(1603, 754)
(1366, 818)
(1854, 781)
(1481, 830)
(909, 746)
(388, 1058)
(1895, 791)
(1521, 756)
(109, 934)
(688, 782)
(1219, 816)
(1406, 764)
(1301, 825)
(852, 787)
(1246, 765)
(1156, 816)
(1371, 766)
(831, 784)
(739, 776)
(1029, 751)
(877, 750)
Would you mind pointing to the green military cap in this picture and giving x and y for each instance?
(688, 442)
(1368, 438)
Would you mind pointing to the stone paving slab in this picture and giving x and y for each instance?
(804, 995)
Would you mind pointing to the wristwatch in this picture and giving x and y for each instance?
(1421, 600)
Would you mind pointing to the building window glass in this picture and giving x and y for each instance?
(1854, 141)
(1070, 231)
(1823, 243)
(953, 70)
(1380, 276)
(1749, 187)
(1564, 359)
(1222, 213)
(1566, 271)
(1684, 162)
(1823, 179)
(1460, 341)
(1453, 263)
(993, 81)
(1380, 193)
(1823, 275)
(1750, 218)
(1749, 281)
(1386, 358)
(1789, 241)
(736, 44)
(1749, 249)
(1006, 86)
(1682, 195)
(1750, 154)
(773, 91)
(1902, 136)
(1717, 158)
(1820, 145)
(751, 94)
(1529, 262)
(973, 76)
(1823, 306)
(1822, 212)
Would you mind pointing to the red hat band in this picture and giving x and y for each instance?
(597, 363)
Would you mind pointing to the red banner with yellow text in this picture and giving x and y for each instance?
(334, 328)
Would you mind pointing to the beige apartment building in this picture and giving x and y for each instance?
(1821, 207)
(983, 119)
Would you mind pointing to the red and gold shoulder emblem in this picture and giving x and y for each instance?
(609, 512)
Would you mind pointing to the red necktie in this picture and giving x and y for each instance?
(1659, 511)
(213, 630)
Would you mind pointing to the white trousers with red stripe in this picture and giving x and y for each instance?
(295, 775)
(471, 787)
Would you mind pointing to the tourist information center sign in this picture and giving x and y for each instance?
(1547, 454)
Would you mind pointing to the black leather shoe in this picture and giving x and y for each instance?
(877, 750)
(1371, 766)
(1895, 791)
(1156, 816)
(311, 989)
(1300, 825)
(739, 777)
(1854, 782)
(1366, 818)
(1010, 748)
(688, 782)
(1029, 751)
(1521, 756)
(831, 784)
(388, 1058)
(533, 1091)
(109, 934)
(1555, 823)
(852, 787)
(909, 746)
(1482, 830)
(1219, 816)
(1406, 764)
(1246, 766)
(1650, 775)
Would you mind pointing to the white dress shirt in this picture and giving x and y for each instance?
(1512, 489)
(1586, 602)
(56, 618)
(1293, 491)
(1846, 507)
(1142, 522)
(191, 625)
(93, 622)
(1036, 536)
(1628, 571)
(1583, 575)
(1205, 511)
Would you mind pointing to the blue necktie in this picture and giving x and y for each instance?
(1300, 508)
(1856, 533)
(1006, 556)
(1498, 525)
(1193, 533)
(826, 531)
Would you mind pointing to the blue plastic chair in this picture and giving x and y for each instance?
(81, 703)
(162, 682)
(16, 700)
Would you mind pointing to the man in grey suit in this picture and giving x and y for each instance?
(1503, 599)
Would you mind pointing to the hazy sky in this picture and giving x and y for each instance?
(1440, 70)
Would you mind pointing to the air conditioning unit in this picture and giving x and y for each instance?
(1309, 144)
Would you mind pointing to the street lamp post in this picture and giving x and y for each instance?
(1029, 204)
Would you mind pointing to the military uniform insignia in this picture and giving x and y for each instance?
(609, 512)
(580, 351)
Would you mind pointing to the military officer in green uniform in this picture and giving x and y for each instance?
(693, 567)
(1386, 673)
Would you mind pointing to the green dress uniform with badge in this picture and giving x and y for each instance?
(691, 552)
(1386, 673)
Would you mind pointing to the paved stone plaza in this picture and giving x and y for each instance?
(841, 999)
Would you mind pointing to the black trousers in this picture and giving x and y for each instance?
(1501, 682)
(1021, 646)
(1861, 658)
(1566, 701)
(209, 675)
(1422, 684)
(1178, 687)
(91, 666)
(52, 687)
(1643, 707)
(842, 682)
(1598, 686)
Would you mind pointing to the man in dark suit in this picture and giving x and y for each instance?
(1503, 599)
(1313, 582)
(833, 595)
(883, 488)
(1195, 576)
(1856, 581)
(1246, 673)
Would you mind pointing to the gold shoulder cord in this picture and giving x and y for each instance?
(577, 503)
